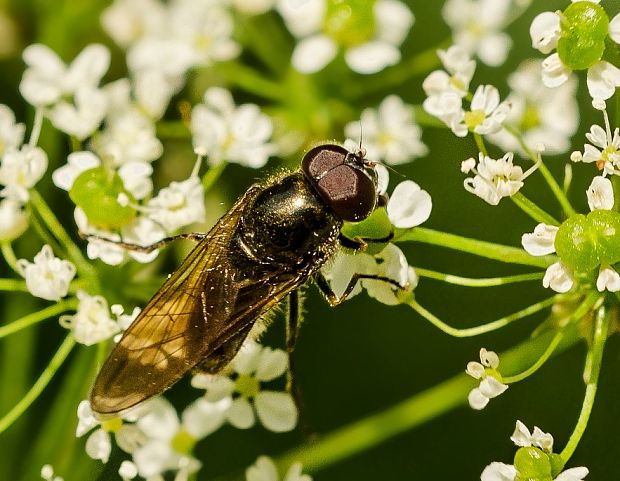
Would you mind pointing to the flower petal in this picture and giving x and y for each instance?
(409, 205)
(313, 53)
(276, 411)
(240, 414)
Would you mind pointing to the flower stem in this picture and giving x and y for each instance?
(38, 316)
(40, 384)
(13, 285)
(362, 435)
(250, 80)
(212, 175)
(44, 234)
(480, 144)
(484, 328)
(531, 209)
(9, 256)
(539, 362)
(479, 282)
(489, 250)
(551, 182)
(36, 127)
(85, 269)
(173, 129)
(593, 368)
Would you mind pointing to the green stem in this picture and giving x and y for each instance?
(250, 80)
(539, 362)
(483, 328)
(84, 268)
(40, 384)
(477, 282)
(38, 316)
(531, 209)
(173, 129)
(593, 368)
(480, 144)
(13, 285)
(44, 234)
(559, 194)
(212, 175)
(362, 435)
(419, 64)
(9, 256)
(489, 250)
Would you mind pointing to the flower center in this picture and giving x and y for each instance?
(183, 442)
(247, 386)
(112, 425)
(530, 119)
(474, 118)
(350, 22)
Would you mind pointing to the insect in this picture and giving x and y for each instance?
(274, 238)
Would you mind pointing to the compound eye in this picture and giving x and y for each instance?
(350, 192)
(320, 160)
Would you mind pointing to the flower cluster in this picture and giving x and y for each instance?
(491, 384)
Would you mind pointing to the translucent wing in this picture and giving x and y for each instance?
(201, 306)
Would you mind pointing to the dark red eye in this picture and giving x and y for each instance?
(341, 180)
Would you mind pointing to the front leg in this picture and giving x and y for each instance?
(361, 243)
(193, 236)
(333, 299)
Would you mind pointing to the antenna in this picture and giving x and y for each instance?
(361, 151)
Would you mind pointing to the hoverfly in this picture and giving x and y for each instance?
(273, 239)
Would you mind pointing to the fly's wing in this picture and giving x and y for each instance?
(177, 327)
(199, 308)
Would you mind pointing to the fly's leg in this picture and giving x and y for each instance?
(333, 299)
(361, 243)
(293, 322)
(193, 236)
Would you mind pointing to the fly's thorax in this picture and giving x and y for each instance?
(288, 224)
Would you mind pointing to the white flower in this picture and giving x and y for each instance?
(600, 194)
(486, 371)
(224, 132)
(541, 241)
(603, 78)
(523, 438)
(495, 178)
(47, 473)
(108, 252)
(608, 279)
(390, 263)
(127, 20)
(81, 117)
(92, 322)
(458, 74)
(409, 205)
(545, 32)
(486, 115)
(128, 436)
(13, 219)
(604, 148)
(558, 277)
(554, 72)
(47, 79)
(169, 440)
(390, 132)
(370, 40)
(20, 170)
(264, 469)
(11, 133)
(543, 116)
(477, 26)
(240, 400)
(178, 205)
(48, 277)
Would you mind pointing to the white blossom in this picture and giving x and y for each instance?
(224, 132)
(390, 132)
(541, 241)
(600, 194)
(48, 277)
(20, 170)
(477, 26)
(495, 178)
(538, 438)
(127, 436)
(603, 149)
(608, 279)
(558, 277)
(321, 33)
(47, 79)
(486, 371)
(13, 219)
(485, 116)
(545, 32)
(92, 322)
(264, 469)
(543, 116)
(409, 205)
(11, 132)
(128, 20)
(81, 117)
(241, 400)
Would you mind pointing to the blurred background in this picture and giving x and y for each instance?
(353, 360)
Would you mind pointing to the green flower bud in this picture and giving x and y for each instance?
(532, 464)
(375, 226)
(584, 28)
(96, 192)
(606, 226)
(575, 243)
(350, 22)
